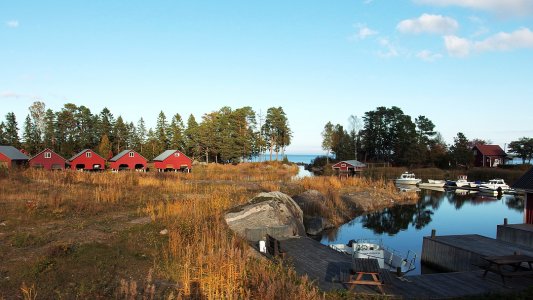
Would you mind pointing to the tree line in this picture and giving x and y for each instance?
(389, 135)
(225, 135)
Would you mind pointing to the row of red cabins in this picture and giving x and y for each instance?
(169, 160)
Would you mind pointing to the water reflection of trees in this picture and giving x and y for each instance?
(395, 219)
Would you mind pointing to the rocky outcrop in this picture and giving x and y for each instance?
(312, 203)
(274, 213)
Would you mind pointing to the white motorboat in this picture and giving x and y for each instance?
(407, 178)
(497, 185)
(432, 184)
(387, 257)
(462, 181)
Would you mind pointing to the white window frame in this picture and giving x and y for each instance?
(177, 154)
(88, 154)
(132, 154)
(48, 154)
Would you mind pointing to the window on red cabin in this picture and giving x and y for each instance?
(47, 155)
(88, 154)
(177, 154)
(132, 154)
(343, 165)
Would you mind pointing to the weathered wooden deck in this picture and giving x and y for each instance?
(462, 252)
(328, 269)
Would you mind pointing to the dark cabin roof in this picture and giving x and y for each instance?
(47, 149)
(13, 153)
(354, 163)
(122, 153)
(83, 151)
(490, 150)
(525, 183)
(164, 155)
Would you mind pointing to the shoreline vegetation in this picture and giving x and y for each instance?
(154, 235)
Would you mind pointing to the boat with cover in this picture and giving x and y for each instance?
(407, 178)
(373, 248)
(462, 181)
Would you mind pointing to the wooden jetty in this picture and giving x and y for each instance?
(463, 252)
(521, 234)
(330, 269)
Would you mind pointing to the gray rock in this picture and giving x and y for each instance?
(315, 225)
(274, 213)
(313, 204)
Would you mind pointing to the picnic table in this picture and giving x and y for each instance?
(508, 265)
(367, 272)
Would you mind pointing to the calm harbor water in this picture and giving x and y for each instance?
(402, 227)
(295, 158)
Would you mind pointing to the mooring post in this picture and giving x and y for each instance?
(504, 221)
(433, 233)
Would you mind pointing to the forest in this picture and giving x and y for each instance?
(226, 135)
(389, 135)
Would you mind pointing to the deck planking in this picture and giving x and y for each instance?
(328, 267)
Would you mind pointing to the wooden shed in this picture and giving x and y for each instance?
(172, 160)
(128, 160)
(11, 157)
(87, 160)
(349, 166)
(48, 160)
(488, 155)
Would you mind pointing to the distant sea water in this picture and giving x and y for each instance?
(295, 158)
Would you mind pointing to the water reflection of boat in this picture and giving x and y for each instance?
(407, 187)
(432, 184)
(372, 248)
(431, 188)
(407, 178)
(463, 192)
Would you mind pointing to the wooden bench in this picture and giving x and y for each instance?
(507, 266)
(367, 272)
(274, 247)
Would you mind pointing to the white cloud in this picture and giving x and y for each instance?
(390, 49)
(363, 32)
(427, 23)
(503, 41)
(12, 24)
(428, 56)
(10, 94)
(501, 7)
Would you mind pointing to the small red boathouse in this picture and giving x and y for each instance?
(172, 160)
(87, 160)
(128, 160)
(48, 160)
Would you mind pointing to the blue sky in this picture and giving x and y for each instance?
(465, 64)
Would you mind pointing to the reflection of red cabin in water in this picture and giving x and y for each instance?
(48, 160)
(525, 184)
(349, 166)
(128, 160)
(87, 160)
(172, 160)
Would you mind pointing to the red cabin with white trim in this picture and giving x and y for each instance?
(172, 160)
(128, 160)
(48, 160)
(87, 160)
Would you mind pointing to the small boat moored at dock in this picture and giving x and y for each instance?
(432, 184)
(387, 257)
(497, 185)
(407, 178)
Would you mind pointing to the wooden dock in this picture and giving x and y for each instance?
(329, 269)
(458, 253)
(521, 234)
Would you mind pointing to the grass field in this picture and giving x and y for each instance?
(130, 235)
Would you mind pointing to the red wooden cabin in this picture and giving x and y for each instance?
(87, 160)
(48, 160)
(11, 157)
(349, 166)
(488, 155)
(172, 160)
(128, 160)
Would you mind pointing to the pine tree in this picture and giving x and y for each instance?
(161, 133)
(141, 136)
(3, 139)
(11, 130)
(31, 136)
(191, 137)
(49, 139)
(121, 133)
(177, 140)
